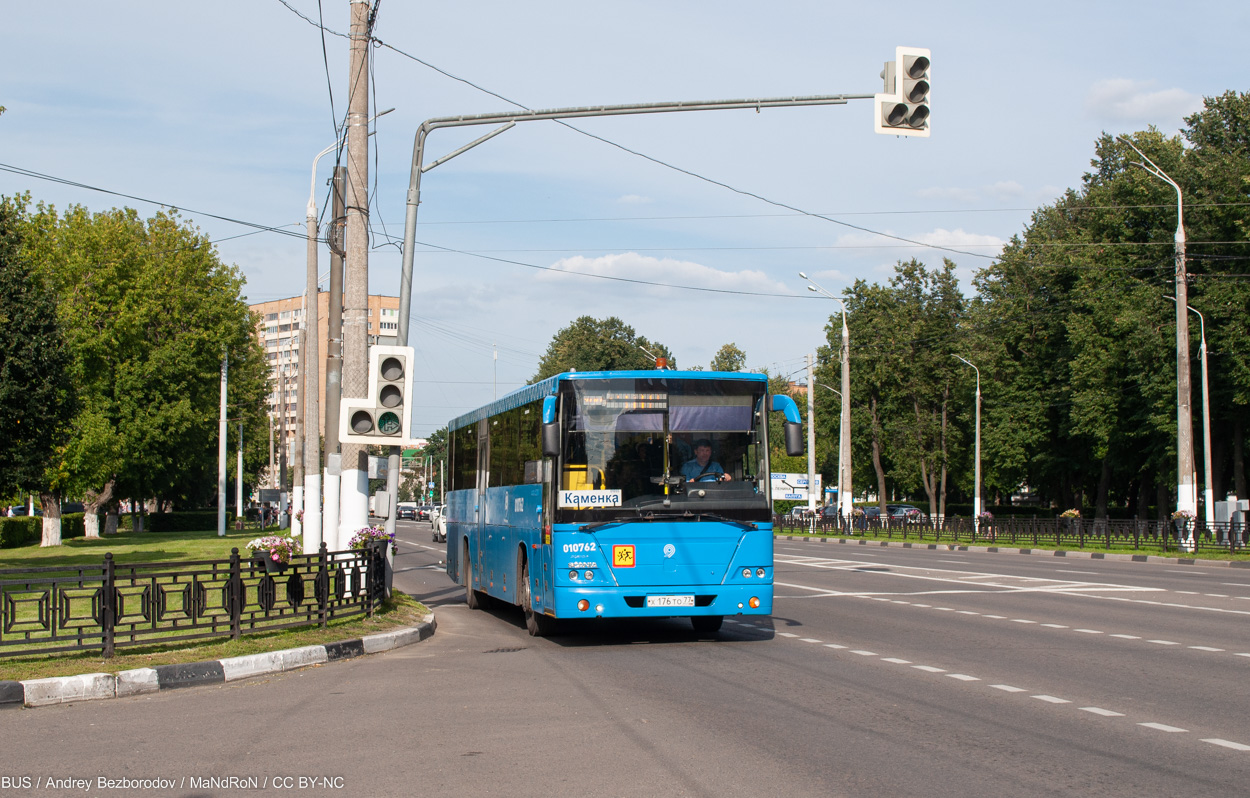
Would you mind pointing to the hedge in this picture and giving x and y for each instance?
(27, 530)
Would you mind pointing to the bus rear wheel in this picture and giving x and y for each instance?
(537, 624)
(471, 596)
(707, 624)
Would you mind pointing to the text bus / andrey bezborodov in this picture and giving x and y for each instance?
(584, 496)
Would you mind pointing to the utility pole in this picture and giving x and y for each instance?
(309, 359)
(354, 489)
(811, 437)
(221, 452)
(297, 477)
(334, 360)
(238, 483)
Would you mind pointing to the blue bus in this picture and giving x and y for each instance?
(618, 494)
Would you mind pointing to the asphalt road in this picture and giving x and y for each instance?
(884, 672)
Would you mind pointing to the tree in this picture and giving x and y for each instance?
(728, 358)
(590, 344)
(37, 399)
(147, 311)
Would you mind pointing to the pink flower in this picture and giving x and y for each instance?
(275, 557)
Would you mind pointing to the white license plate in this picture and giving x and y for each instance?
(670, 601)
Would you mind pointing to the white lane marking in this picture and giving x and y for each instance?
(1050, 699)
(897, 661)
(967, 612)
(1127, 637)
(1186, 573)
(1243, 654)
(1205, 648)
(1163, 727)
(1006, 688)
(1106, 713)
(1082, 573)
(1234, 584)
(1088, 631)
(963, 677)
(926, 606)
(1163, 642)
(929, 669)
(944, 609)
(1216, 595)
(1054, 626)
(809, 640)
(995, 617)
(863, 653)
(1021, 620)
(833, 645)
(1189, 592)
(1227, 744)
(787, 634)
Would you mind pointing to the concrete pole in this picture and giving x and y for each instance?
(811, 437)
(297, 477)
(334, 363)
(221, 454)
(976, 496)
(238, 481)
(309, 360)
(354, 486)
(846, 499)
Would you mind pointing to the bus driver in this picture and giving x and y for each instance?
(703, 468)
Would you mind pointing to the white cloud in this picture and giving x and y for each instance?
(635, 199)
(633, 266)
(961, 239)
(1125, 100)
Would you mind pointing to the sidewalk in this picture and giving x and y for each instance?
(95, 686)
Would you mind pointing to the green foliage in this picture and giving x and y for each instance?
(728, 358)
(147, 311)
(590, 344)
(37, 397)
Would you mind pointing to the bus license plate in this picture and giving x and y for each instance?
(670, 601)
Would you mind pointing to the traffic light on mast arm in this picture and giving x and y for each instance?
(903, 110)
(382, 417)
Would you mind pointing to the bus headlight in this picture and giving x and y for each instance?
(746, 573)
(590, 575)
(759, 572)
(572, 574)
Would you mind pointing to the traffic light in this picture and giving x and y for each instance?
(383, 416)
(903, 109)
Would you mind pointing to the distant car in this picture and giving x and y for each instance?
(406, 514)
(798, 512)
(828, 511)
(423, 512)
(905, 511)
(438, 529)
(16, 510)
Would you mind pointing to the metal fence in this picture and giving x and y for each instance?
(1128, 534)
(104, 607)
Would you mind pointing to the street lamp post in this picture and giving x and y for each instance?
(1208, 493)
(841, 453)
(1186, 487)
(846, 506)
(976, 496)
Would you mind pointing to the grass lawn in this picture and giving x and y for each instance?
(400, 611)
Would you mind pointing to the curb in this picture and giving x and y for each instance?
(1077, 555)
(97, 686)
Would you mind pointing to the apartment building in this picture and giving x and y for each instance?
(277, 329)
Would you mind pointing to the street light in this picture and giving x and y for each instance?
(1208, 493)
(976, 497)
(1186, 489)
(840, 485)
(846, 506)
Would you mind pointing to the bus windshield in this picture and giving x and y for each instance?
(663, 445)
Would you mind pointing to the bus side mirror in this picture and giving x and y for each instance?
(794, 423)
(794, 439)
(551, 440)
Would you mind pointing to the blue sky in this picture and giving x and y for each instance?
(220, 108)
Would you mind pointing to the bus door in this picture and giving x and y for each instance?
(477, 549)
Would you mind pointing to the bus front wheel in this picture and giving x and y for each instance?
(707, 624)
(537, 624)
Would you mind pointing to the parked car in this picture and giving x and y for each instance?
(799, 512)
(895, 511)
(438, 528)
(16, 510)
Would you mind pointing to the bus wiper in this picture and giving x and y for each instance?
(614, 522)
(688, 516)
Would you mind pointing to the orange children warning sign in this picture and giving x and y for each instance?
(623, 556)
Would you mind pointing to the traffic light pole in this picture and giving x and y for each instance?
(507, 121)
